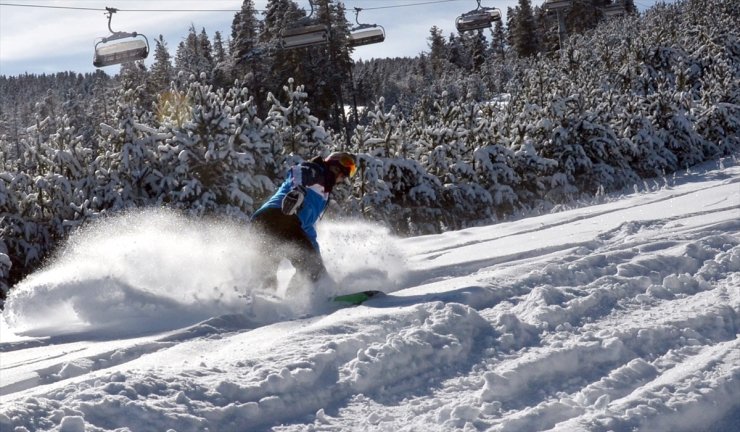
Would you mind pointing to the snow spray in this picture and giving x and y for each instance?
(153, 270)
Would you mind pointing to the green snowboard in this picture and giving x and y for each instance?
(356, 298)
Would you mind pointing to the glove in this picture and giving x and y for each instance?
(293, 200)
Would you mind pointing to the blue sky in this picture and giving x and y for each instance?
(48, 40)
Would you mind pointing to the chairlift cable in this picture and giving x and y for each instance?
(119, 9)
(212, 10)
(409, 4)
(50, 7)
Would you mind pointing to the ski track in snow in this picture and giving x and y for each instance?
(620, 316)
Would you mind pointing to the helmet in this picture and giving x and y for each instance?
(347, 162)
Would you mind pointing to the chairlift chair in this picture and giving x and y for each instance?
(304, 35)
(614, 10)
(479, 18)
(556, 5)
(365, 34)
(107, 54)
(476, 20)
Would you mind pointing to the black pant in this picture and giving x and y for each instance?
(281, 236)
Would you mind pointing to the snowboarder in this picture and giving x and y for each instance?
(286, 222)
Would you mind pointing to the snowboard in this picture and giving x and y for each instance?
(357, 298)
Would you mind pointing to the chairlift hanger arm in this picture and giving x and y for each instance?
(310, 2)
(357, 19)
(109, 12)
(363, 26)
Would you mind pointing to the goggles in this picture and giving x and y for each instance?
(349, 167)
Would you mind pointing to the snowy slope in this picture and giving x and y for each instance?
(618, 316)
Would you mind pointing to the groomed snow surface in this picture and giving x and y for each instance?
(617, 316)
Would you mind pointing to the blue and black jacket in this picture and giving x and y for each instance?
(318, 181)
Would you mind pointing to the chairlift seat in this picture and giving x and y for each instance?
(613, 10)
(304, 36)
(120, 52)
(477, 19)
(554, 5)
(366, 36)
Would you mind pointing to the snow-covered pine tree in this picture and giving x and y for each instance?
(45, 185)
(674, 122)
(649, 155)
(476, 45)
(128, 176)
(296, 130)
(244, 38)
(70, 179)
(484, 170)
(194, 56)
(446, 154)
(546, 29)
(535, 174)
(522, 30)
(457, 55)
(709, 71)
(371, 199)
(494, 164)
(413, 196)
(563, 147)
(256, 156)
(222, 63)
(251, 58)
(438, 51)
(330, 66)
(161, 72)
(23, 227)
(207, 168)
(584, 15)
(28, 203)
(373, 144)
(498, 42)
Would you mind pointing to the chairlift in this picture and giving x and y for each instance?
(107, 54)
(479, 18)
(304, 35)
(614, 10)
(365, 34)
(557, 5)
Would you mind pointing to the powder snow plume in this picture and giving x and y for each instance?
(152, 270)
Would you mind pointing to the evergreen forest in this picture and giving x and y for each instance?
(485, 126)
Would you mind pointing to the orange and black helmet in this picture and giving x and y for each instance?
(346, 162)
